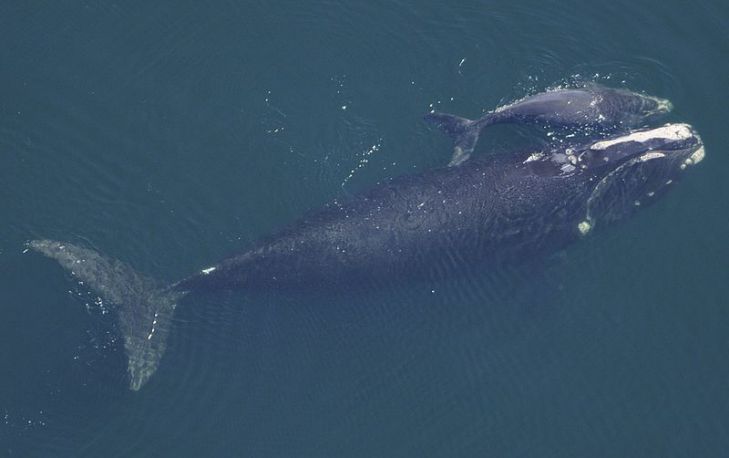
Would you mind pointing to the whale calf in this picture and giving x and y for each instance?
(489, 212)
(593, 106)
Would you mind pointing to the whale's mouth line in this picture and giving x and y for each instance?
(693, 154)
(587, 224)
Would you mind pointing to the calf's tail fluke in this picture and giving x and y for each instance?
(464, 132)
(143, 307)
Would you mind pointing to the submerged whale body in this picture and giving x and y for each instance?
(594, 106)
(490, 211)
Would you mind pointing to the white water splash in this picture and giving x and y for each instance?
(364, 159)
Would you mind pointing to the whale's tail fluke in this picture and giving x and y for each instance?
(143, 306)
(464, 132)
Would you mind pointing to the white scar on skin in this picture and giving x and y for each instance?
(533, 157)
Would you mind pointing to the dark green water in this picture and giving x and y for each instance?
(169, 134)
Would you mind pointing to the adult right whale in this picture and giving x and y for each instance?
(593, 106)
(488, 213)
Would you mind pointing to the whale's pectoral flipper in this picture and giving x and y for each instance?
(143, 307)
(463, 131)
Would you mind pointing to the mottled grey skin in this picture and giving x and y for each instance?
(490, 212)
(594, 106)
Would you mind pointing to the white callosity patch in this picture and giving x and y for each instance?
(696, 157)
(584, 227)
(668, 132)
(651, 155)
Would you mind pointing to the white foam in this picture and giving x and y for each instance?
(208, 270)
(668, 132)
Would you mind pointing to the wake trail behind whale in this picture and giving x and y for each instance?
(144, 306)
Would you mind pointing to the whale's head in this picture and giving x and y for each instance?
(635, 109)
(632, 171)
(655, 106)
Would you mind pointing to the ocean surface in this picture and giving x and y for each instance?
(168, 134)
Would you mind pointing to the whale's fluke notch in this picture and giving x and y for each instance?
(143, 306)
(464, 133)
